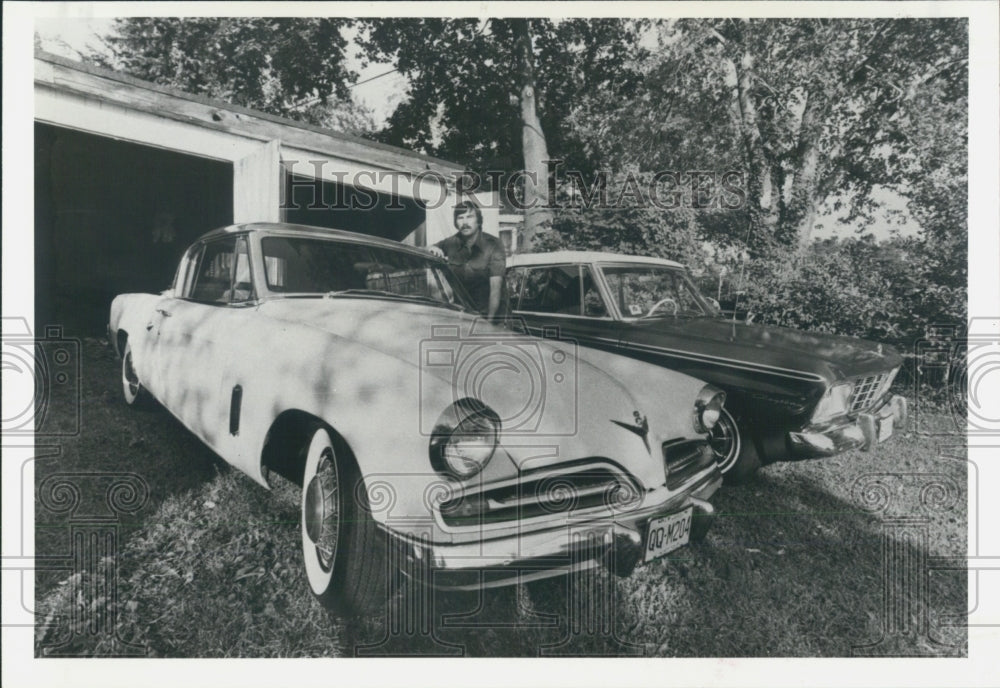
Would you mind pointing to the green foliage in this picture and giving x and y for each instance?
(855, 287)
(630, 227)
(937, 174)
(465, 82)
(806, 110)
(293, 67)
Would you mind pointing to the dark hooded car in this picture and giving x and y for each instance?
(790, 394)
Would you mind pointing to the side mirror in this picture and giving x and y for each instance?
(716, 308)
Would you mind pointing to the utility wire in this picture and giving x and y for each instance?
(377, 76)
(312, 101)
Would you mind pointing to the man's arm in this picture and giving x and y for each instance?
(496, 284)
(497, 265)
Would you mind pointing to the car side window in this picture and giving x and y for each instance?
(562, 289)
(242, 289)
(536, 281)
(214, 274)
(515, 278)
(593, 304)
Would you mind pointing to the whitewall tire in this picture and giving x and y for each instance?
(133, 392)
(343, 551)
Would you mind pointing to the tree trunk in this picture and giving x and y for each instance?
(804, 194)
(537, 213)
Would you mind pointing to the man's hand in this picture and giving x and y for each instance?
(435, 251)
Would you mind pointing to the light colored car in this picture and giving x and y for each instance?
(425, 439)
(790, 394)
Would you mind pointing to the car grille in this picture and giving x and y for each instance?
(684, 459)
(551, 494)
(869, 390)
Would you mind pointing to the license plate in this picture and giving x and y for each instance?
(667, 533)
(885, 429)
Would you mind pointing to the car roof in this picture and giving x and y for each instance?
(585, 257)
(290, 229)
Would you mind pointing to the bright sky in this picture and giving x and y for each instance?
(68, 36)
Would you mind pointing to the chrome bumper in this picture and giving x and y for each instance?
(616, 544)
(863, 433)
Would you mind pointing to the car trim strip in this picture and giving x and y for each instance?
(729, 362)
(732, 363)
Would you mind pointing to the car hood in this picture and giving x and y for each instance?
(545, 391)
(826, 355)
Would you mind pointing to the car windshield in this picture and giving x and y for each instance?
(305, 266)
(652, 291)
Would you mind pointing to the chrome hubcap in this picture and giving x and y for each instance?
(724, 440)
(321, 517)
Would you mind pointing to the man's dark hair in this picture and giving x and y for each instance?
(466, 206)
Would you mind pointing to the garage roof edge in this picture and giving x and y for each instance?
(102, 72)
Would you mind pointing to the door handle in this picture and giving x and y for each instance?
(164, 313)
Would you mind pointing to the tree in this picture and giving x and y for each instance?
(288, 67)
(538, 216)
(625, 225)
(494, 94)
(937, 180)
(806, 110)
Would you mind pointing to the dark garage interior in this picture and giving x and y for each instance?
(114, 217)
(321, 203)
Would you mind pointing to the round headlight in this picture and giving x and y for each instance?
(464, 439)
(708, 408)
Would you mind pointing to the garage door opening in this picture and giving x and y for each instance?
(113, 217)
(321, 203)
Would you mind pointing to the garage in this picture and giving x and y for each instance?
(127, 173)
(113, 216)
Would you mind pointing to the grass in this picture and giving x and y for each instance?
(794, 566)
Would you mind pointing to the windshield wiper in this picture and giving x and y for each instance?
(361, 292)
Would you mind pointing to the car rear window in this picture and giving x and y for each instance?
(295, 265)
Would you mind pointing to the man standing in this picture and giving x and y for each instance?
(477, 258)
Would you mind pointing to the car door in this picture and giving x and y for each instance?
(564, 301)
(193, 343)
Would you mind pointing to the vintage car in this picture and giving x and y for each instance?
(425, 439)
(790, 394)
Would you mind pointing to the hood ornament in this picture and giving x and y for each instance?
(641, 427)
